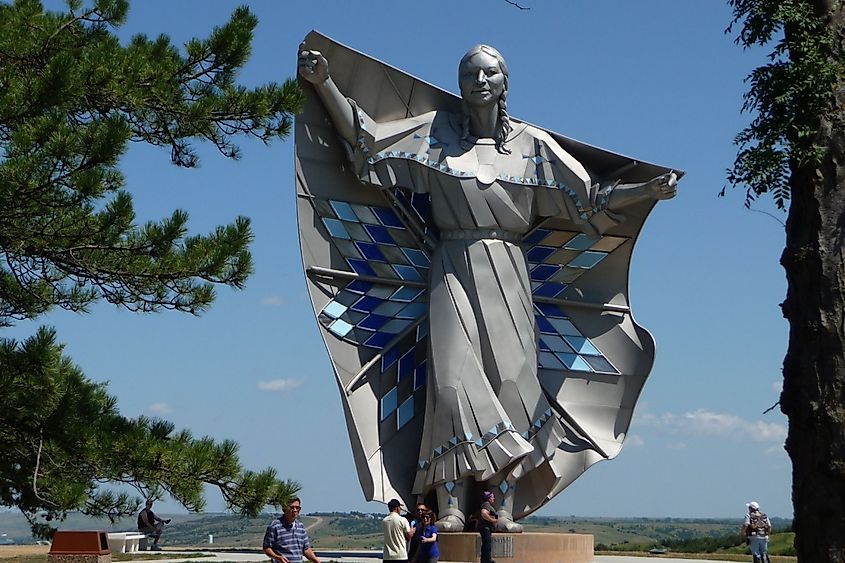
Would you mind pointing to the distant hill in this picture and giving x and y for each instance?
(357, 530)
(184, 529)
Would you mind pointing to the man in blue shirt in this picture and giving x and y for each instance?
(286, 540)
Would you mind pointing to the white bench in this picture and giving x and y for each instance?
(125, 542)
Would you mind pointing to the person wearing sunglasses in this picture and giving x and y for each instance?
(286, 540)
(428, 551)
(416, 530)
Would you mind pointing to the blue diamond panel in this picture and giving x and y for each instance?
(372, 315)
(419, 206)
(563, 347)
(375, 243)
(405, 413)
(374, 240)
(388, 403)
(402, 373)
(558, 258)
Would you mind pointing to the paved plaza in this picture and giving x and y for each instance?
(372, 557)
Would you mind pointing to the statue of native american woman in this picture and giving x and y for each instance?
(469, 274)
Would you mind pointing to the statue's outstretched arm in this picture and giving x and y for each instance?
(664, 186)
(314, 68)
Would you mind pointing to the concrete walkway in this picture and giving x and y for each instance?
(233, 557)
(373, 557)
(629, 559)
(218, 557)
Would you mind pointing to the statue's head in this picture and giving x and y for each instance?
(483, 80)
(483, 75)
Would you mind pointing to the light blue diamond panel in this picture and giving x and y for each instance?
(537, 159)
(563, 347)
(558, 258)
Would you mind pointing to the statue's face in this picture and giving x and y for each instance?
(481, 79)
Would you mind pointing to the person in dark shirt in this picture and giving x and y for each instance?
(486, 525)
(150, 524)
(416, 530)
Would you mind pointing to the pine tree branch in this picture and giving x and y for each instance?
(771, 408)
(780, 221)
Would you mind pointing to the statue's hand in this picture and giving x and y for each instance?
(313, 66)
(664, 186)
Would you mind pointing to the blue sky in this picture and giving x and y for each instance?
(655, 79)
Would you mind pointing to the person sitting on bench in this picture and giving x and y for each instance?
(151, 524)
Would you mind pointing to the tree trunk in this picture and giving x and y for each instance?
(813, 395)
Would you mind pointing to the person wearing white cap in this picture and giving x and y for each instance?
(756, 530)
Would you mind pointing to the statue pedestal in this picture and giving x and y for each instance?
(528, 547)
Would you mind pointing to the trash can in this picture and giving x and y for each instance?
(79, 546)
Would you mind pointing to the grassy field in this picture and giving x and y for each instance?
(704, 556)
(632, 531)
(38, 554)
(345, 531)
(115, 557)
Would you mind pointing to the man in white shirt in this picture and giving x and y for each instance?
(756, 529)
(397, 531)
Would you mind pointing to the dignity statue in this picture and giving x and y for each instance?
(469, 274)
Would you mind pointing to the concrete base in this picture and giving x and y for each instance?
(528, 547)
(78, 558)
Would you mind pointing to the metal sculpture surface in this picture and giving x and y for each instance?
(469, 275)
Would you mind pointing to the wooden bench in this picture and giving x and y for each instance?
(125, 542)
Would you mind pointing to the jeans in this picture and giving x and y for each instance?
(154, 532)
(486, 544)
(759, 548)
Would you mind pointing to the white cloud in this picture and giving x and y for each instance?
(634, 441)
(160, 408)
(710, 423)
(666, 419)
(768, 432)
(273, 300)
(775, 450)
(707, 422)
(280, 385)
(703, 422)
(676, 446)
(777, 386)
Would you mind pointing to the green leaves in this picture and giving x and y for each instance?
(62, 439)
(791, 96)
(71, 98)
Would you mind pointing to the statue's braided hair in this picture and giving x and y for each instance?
(504, 127)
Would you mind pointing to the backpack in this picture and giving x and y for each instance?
(758, 525)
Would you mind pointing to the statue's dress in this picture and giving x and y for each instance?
(486, 416)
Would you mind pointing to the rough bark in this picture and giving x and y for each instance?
(813, 396)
